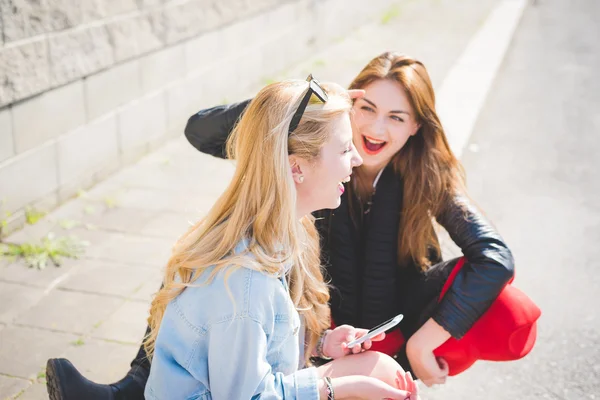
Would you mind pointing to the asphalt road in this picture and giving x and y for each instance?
(534, 168)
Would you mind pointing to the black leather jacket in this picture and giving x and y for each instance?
(490, 263)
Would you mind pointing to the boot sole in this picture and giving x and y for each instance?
(52, 381)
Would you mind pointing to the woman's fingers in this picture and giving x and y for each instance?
(413, 387)
(443, 365)
(401, 381)
(356, 93)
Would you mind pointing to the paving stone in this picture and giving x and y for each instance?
(15, 299)
(24, 351)
(120, 219)
(147, 291)
(168, 224)
(104, 277)
(70, 311)
(10, 386)
(37, 391)
(127, 325)
(102, 361)
(18, 272)
(198, 173)
(135, 250)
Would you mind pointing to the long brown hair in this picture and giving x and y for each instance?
(431, 172)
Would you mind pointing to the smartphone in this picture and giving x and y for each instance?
(377, 330)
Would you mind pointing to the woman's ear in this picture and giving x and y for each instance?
(296, 166)
(415, 129)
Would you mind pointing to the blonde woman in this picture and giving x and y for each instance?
(244, 302)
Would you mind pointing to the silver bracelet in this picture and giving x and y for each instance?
(330, 394)
(320, 345)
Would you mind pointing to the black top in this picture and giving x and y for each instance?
(361, 259)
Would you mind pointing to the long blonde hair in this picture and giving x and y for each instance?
(259, 206)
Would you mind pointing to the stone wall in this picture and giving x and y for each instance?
(88, 86)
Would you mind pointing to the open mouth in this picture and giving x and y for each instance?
(373, 146)
(341, 185)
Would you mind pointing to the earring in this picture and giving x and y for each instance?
(300, 179)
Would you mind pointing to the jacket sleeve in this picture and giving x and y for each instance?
(208, 130)
(238, 366)
(488, 268)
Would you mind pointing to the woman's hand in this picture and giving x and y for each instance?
(429, 369)
(356, 93)
(336, 341)
(405, 381)
(419, 349)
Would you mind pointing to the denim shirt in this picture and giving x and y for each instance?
(249, 345)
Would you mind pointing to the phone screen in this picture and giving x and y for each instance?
(380, 325)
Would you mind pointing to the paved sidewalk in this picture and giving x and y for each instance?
(93, 310)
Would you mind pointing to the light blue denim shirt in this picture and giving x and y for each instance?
(209, 347)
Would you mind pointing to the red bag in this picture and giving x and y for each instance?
(506, 331)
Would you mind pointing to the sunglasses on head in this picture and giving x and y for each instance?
(313, 88)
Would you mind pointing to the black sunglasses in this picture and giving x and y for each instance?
(313, 88)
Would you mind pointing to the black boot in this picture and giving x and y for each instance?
(64, 382)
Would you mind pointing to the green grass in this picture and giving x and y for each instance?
(110, 202)
(50, 249)
(32, 216)
(390, 14)
(68, 224)
(78, 342)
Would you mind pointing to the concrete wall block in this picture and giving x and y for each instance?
(93, 10)
(281, 17)
(250, 67)
(25, 18)
(109, 89)
(135, 35)
(141, 122)
(78, 53)
(7, 146)
(1, 29)
(63, 14)
(198, 92)
(221, 83)
(183, 100)
(48, 115)
(187, 19)
(24, 70)
(249, 31)
(184, 20)
(87, 149)
(28, 177)
(162, 67)
(204, 50)
(150, 3)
